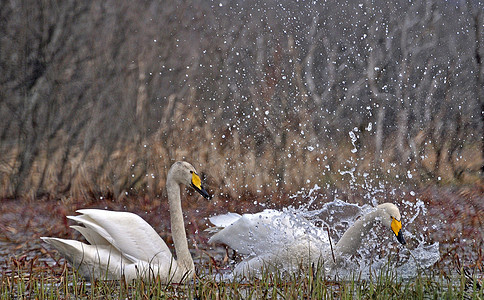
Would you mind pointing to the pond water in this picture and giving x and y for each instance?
(439, 225)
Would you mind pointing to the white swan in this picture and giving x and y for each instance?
(122, 244)
(275, 240)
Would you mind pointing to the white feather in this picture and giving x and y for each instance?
(281, 240)
(122, 244)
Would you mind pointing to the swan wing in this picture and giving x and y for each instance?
(250, 234)
(106, 262)
(266, 232)
(127, 232)
(222, 221)
(98, 261)
(91, 236)
(225, 220)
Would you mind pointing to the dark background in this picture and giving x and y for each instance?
(97, 99)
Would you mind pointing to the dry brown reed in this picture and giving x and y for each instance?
(233, 165)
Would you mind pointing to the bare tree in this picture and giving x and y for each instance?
(97, 98)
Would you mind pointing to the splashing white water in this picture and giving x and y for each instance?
(285, 237)
(338, 216)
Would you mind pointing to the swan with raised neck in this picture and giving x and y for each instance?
(177, 175)
(123, 245)
(255, 231)
(386, 213)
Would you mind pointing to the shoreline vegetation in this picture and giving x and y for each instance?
(31, 280)
(228, 169)
(98, 100)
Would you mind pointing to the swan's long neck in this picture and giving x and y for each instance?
(351, 239)
(184, 259)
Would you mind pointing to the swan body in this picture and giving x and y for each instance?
(122, 244)
(275, 240)
(258, 234)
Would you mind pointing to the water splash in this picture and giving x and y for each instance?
(318, 226)
(353, 138)
(373, 256)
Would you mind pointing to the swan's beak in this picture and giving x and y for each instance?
(197, 185)
(397, 229)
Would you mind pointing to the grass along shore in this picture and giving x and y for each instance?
(35, 279)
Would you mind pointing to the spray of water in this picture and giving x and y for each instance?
(309, 224)
(380, 249)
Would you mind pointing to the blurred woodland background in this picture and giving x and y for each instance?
(99, 98)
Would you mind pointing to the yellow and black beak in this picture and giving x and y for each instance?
(197, 185)
(397, 229)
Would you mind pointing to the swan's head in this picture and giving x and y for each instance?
(184, 173)
(391, 218)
